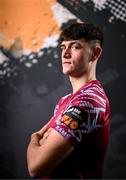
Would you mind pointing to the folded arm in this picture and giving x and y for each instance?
(46, 150)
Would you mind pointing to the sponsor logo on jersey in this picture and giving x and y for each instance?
(69, 121)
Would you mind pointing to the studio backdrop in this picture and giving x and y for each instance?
(31, 79)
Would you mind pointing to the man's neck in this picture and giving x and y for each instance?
(78, 82)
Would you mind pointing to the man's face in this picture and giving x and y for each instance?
(76, 56)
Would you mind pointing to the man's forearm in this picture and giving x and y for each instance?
(36, 141)
(32, 153)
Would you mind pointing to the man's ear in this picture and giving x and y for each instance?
(97, 52)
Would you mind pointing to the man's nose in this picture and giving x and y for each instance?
(67, 53)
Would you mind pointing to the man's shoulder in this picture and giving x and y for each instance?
(92, 95)
(93, 89)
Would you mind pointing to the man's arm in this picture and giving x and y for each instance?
(45, 151)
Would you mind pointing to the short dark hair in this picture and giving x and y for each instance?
(87, 31)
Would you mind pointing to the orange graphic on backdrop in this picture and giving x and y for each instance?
(27, 22)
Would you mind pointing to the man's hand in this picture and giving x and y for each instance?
(36, 137)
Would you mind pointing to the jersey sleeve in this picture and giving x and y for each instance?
(82, 115)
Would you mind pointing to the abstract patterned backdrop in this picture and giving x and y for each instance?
(31, 80)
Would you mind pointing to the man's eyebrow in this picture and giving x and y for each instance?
(74, 42)
(62, 44)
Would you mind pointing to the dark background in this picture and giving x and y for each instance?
(28, 95)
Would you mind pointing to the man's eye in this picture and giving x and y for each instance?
(62, 47)
(75, 47)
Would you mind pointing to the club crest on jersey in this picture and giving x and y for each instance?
(69, 121)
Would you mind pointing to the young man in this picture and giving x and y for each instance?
(73, 143)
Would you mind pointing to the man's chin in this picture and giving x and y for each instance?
(73, 74)
(66, 72)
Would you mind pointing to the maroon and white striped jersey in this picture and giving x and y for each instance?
(82, 118)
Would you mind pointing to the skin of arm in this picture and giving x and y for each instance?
(47, 148)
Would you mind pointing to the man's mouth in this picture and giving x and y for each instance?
(66, 62)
